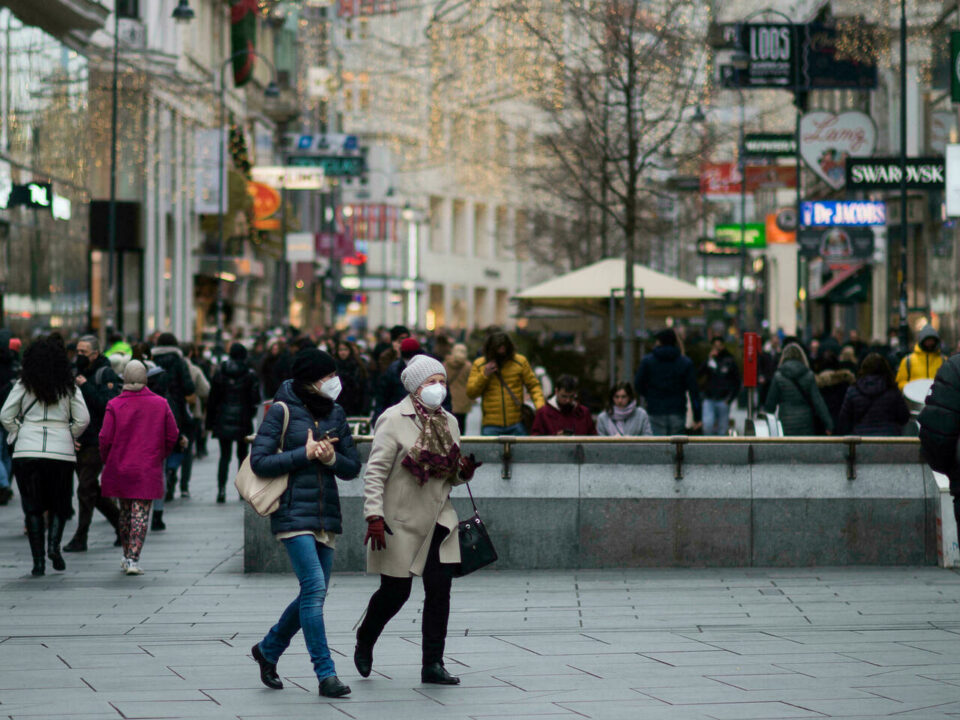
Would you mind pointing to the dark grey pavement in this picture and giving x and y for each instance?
(726, 644)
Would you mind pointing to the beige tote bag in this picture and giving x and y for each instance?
(263, 494)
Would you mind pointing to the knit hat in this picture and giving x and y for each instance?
(409, 348)
(419, 369)
(238, 351)
(134, 376)
(312, 364)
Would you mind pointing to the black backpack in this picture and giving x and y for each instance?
(940, 418)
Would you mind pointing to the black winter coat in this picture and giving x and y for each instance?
(833, 386)
(353, 396)
(102, 385)
(722, 377)
(871, 408)
(178, 384)
(311, 501)
(940, 422)
(664, 379)
(233, 401)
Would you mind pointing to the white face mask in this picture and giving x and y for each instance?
(433, 396)
(331, 388)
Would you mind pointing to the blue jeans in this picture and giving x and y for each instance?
(668, 424)
(6, 462)
(312, 563)
(716, 417)
(494, 430)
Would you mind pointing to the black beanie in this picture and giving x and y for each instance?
(312, 364)
(238, 351)
(167, 340)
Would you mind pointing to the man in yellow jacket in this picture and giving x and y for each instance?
(499, 377)
(924, 361)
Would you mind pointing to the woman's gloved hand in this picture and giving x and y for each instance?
(376, 533)
(468, 466)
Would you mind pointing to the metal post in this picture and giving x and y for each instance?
(218, 343)
(798, 160)
(283, 309)
(612, 334)
(743, 217)
(112, 317)
(628, 298)
(902, 273)
(642, 324)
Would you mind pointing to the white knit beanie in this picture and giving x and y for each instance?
(420, 368)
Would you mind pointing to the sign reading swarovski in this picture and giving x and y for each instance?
(884, 173)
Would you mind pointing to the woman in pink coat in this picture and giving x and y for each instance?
(138, 433)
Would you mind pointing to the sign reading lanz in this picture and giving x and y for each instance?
(884, 173)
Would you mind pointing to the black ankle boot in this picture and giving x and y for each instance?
(363, 659)
(268, 671)
(332, 687)
(77, 544)
(55, 535)
(157, 524)
(171, 485)
(35, 536)
(436, 674)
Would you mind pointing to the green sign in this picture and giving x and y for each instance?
(955, 66)
(333, 165)
(729, 235)
(769, 145)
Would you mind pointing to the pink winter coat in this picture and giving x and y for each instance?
(138, 433)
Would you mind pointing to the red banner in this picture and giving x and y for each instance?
(724, 178)
(751, 358)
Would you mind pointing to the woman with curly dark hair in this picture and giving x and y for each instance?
(44, 414)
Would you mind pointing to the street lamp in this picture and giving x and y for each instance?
(183, 13)
(271, 91)
(741, 165)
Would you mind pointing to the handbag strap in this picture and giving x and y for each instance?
(23, 413)
(472, 501)
(286, 421)
(513, 395)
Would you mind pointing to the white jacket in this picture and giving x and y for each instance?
(47, 431)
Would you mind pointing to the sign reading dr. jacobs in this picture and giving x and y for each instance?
(884, 173)
(828, 213)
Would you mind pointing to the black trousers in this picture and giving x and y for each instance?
(45, 486)
(393, 593)
(89, 498)
(224, 468)
(461, 422)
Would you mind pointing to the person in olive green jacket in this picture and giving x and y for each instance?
(500, 377)
(794, 391)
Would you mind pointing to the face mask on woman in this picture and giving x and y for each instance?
(433, 395)
(330, 389)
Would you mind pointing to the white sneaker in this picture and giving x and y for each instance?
(124, 564)
(133, 568)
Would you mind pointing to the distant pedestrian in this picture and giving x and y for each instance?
(9, 372)
(317, 448)
(411, 525)
(833, 381)
(500, 377)
(138, 434)
(275, 367)
(458, 367)
(721, 387)
(795, 397)
(874, 406)
(231, 408)
(563, 414)
(924, 361)
(179, 391)
(623, 417)
(197, 407)
(389, 386)
(44, 414)
(99, 384)
(666, 378)
(353, 376)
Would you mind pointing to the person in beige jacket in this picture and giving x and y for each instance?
(411, 525)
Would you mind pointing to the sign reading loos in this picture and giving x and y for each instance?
(884, 173)
(830, 213)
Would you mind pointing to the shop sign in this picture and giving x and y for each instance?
(841, 57)
(723, 179)
(828, 139)
(828, 213)
(753, 235)
(772, 52)
(33, 194)
(710, 247)
(290, 178)
(837, 243)
(952, 193)
(301, 247)
(62, 209)
(770, 145)
(884, 173)
(266, 200)
(955, 66)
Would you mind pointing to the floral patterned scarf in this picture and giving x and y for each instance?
(435, 454)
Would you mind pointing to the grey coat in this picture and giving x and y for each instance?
(794, 390)
(634, 426)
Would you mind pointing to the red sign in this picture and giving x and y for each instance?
(266, 200)
(719, 179)
(770, 177)
(751, 358)
(724, 178)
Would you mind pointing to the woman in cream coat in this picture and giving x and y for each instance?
(411, 525)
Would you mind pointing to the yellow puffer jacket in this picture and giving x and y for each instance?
(498, 407)
(919, 365)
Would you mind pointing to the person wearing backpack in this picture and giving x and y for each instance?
(99, 384)
(232, 405)
(794, 393)
(874, 406)
(179, 392)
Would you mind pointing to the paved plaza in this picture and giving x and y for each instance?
(671, 644)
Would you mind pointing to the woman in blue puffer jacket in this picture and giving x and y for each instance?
(317, 449)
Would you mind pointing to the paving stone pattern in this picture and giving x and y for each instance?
(726, 644)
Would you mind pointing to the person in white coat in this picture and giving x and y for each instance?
(44, 414)
(411, 525)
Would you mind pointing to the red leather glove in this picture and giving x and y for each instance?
(376, 533)
(468, 466)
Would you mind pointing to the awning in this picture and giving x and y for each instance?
(847, 286)
(60, 17)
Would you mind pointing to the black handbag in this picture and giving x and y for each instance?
(476, 549)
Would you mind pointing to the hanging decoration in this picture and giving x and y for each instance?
(243, 37)
(238, 150)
